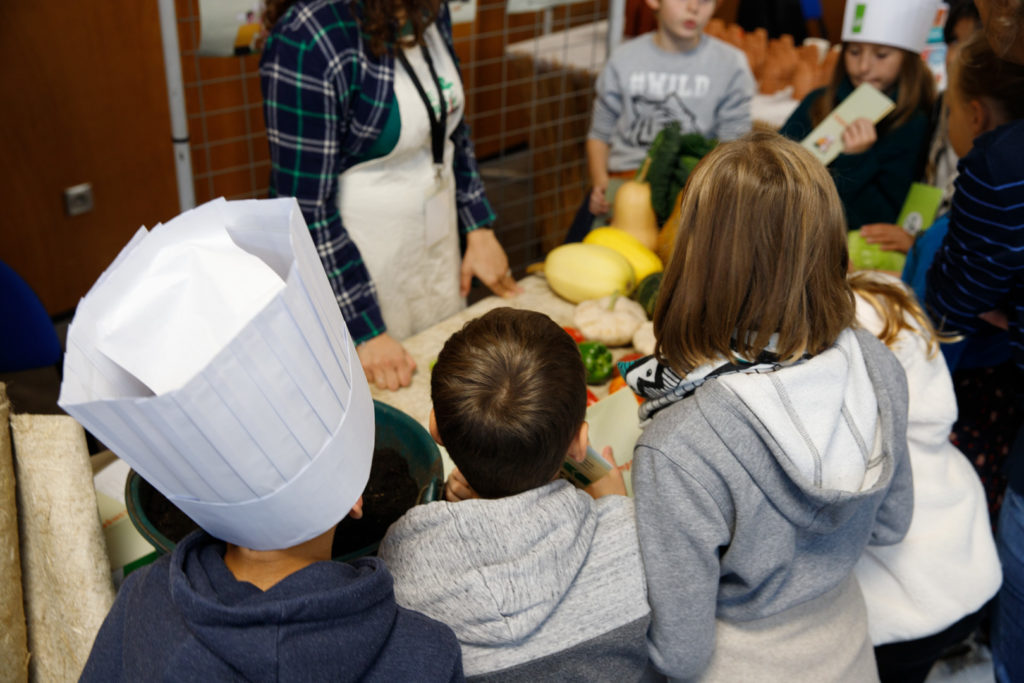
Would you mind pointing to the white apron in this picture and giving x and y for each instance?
(400, 214)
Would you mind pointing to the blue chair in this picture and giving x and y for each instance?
(28, 339)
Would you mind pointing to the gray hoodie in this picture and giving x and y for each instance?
(544, 585)
(756, 496)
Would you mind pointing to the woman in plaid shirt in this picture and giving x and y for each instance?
(385, 176)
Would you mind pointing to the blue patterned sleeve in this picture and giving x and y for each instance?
(979, 265)
(304, 74)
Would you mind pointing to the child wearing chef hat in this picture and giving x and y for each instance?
(535, 577)
(882, 42)
(211, 357)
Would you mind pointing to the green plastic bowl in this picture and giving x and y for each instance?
(394, 429)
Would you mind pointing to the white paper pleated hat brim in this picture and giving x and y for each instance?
(269, 443)
(898, 23)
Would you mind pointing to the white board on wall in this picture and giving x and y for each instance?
(463, 11)
(228, 27)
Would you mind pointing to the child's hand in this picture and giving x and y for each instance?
(859, 136)
(887, 236)
(457, 488)
(611, 483)
(598, 203)
(996, 318)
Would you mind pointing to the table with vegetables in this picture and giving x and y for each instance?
(599, 352)
(601, 290)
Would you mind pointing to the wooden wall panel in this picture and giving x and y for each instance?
(85, 101)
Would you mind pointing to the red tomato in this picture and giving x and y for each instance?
(591, 398)
(576, 335)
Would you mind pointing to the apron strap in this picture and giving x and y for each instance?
(437, 127)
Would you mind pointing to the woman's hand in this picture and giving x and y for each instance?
(386, 362)
(486, 259)
(611, 484)
(859, 136)
(598, 201)
(457, 488)
(887, 236)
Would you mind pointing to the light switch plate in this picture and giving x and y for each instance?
(78, 199)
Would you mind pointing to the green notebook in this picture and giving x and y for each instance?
(919, 208)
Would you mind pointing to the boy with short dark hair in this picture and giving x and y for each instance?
(534, 576)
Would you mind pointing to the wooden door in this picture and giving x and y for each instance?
(84, 101)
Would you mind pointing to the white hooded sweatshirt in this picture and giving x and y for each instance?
(946, 567)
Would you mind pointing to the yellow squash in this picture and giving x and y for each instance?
(578, 272)
(643, 260)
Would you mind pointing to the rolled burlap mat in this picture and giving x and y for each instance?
(13, 638)
(65, 570)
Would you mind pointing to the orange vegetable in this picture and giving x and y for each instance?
(620, 383)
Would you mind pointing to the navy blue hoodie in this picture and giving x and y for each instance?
(185, 617)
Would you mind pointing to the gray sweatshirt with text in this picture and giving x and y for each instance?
(643, 88)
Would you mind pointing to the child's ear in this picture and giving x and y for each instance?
(655, 5)
(578, 445)
(357, 510)
(432, 428)
(981, 118)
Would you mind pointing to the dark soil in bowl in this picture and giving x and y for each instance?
(390, 491)
(163, 514)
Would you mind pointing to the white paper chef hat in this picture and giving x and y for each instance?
(900, 23)
(212, 357)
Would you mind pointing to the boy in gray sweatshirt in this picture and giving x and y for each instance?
(676, 73)
(536, 577)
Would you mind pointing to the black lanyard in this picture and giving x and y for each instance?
(437, 128)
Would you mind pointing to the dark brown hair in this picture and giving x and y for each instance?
(978, 73)
(1004, 27)
(509, 392)
(915, 90)
(761, 250)
(378, 20)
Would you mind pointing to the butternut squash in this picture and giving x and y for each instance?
(632, 210)
(667, 236)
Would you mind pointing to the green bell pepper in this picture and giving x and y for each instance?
(597, 360)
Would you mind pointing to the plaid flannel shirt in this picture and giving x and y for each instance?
(325, 100)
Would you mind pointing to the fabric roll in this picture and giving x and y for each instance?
(13, 637)
(65, 570)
